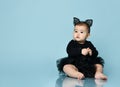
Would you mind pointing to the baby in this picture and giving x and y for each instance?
(82, 60)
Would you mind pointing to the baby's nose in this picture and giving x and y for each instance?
(78, 34)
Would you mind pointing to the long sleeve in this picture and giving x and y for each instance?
(94, 51)
(73, 49)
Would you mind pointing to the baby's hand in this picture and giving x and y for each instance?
(89, 51)
(85, 51)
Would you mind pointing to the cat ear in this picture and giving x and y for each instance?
(75, 20)
(89, 22)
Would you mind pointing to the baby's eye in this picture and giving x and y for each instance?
(81, 32)
(75, 31)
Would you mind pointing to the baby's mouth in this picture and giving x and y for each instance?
(77, 37)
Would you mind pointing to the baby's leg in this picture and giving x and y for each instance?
(99, 72)
(72, 71)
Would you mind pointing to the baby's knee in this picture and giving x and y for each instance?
(66, 66)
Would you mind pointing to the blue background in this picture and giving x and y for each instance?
(35, 33)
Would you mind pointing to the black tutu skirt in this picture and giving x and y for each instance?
(84, 64)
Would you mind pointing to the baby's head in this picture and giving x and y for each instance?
(81, 29)
(88, 23)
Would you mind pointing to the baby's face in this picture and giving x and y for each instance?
(80, 33)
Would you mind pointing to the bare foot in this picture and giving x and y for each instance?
(100, 82)
(99, 75)
(80, 75)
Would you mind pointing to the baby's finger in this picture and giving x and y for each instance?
(88, 48)
(83, 76)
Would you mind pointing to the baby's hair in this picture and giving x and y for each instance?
(87, 23)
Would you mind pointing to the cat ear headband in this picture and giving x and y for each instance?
(88, 21)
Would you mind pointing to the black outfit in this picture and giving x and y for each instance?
(85, 64)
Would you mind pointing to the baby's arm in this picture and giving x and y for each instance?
(92, 50)
(73, 49)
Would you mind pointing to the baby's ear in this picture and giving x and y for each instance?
(75, 20)
(89, 22)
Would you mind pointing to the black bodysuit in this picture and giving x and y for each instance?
(85, 64)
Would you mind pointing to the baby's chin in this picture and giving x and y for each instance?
(77, 39)
(80, 41)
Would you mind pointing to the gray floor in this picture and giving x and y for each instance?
(33, 77)
(113, 81)
(35, 73)
(32, 72)
(63, 81)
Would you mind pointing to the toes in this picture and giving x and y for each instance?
(104, 78)
(80, 77)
